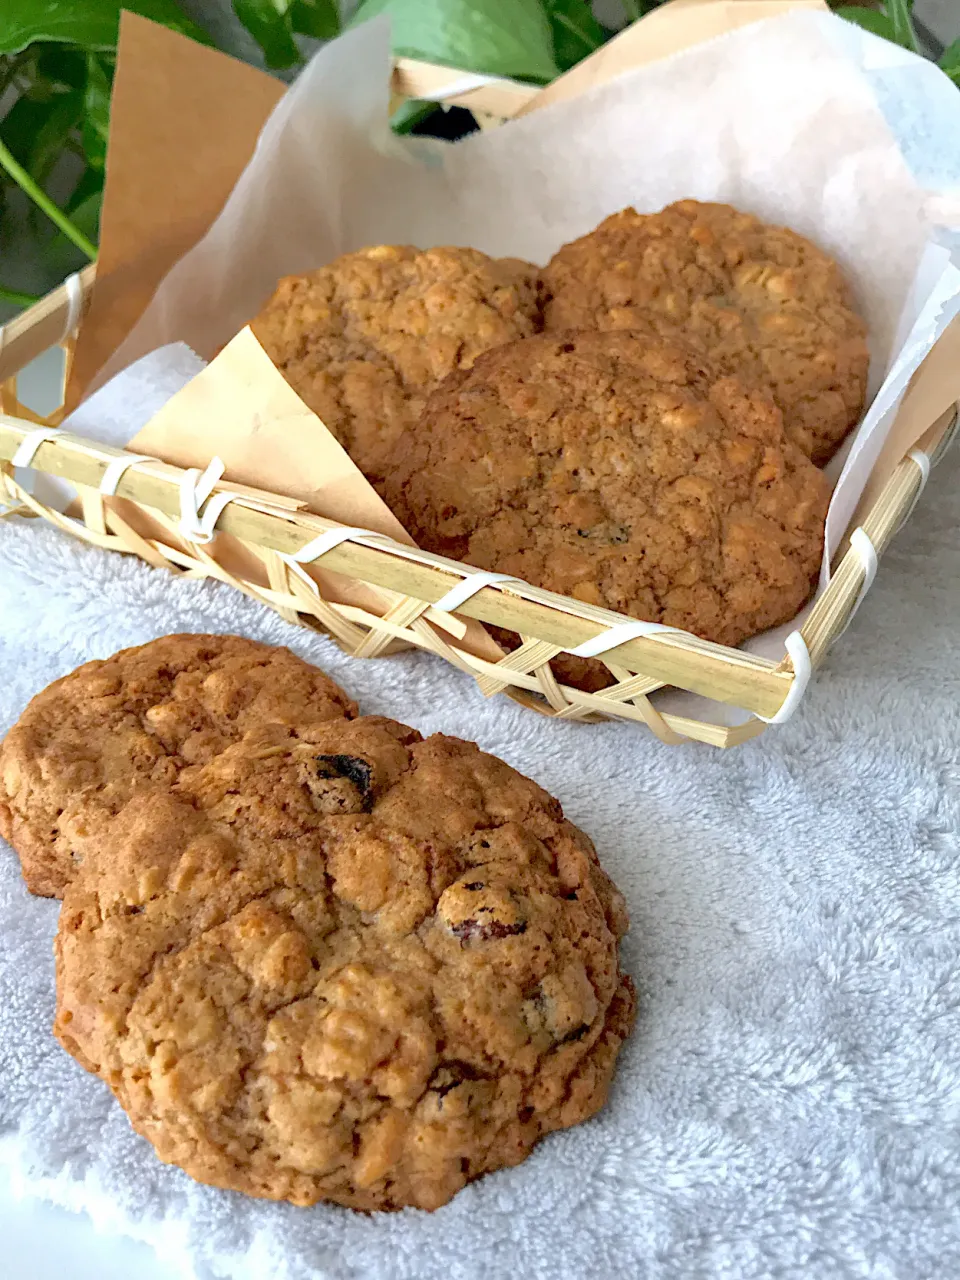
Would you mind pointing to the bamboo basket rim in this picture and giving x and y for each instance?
(271, 522)
(268, 521)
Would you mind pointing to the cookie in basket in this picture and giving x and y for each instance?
(624, 471)
(364, 339)
(86, 741)
(357, 966)
(762, 301)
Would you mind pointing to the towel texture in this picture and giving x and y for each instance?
(788, 1105)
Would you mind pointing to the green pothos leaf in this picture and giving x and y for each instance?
(499, 37)
(950, 61)
(576, 32)
(34, 130)
(870, 20)
(90, 24)
(269, 25)
(90, 185)
(96, 112)
(317, 18)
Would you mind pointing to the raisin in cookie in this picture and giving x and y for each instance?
(625, 472)
(364, 339)
(762, 302)
(86, 741)
(358, 966)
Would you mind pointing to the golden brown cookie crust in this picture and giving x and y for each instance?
(363, 340)
(87, 740)
(622, 471)
(762, 301)
(358, 966)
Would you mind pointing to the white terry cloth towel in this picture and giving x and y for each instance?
(788, 1105)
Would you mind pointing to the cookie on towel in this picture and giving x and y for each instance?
(762, 301)
(624, 471)
(86, 741)
(351, 965)
(364, 339)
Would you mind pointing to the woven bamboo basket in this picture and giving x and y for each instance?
(641, 658)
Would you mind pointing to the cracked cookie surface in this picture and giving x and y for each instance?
(761, 301)
(86, 741)
(364, 340)
(348, 964)
(624, 471)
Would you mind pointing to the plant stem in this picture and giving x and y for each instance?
(17, 298)
(577, 32)
(899, 12)
(43, 202)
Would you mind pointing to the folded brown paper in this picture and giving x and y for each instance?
(240, 409)
(184, 121)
